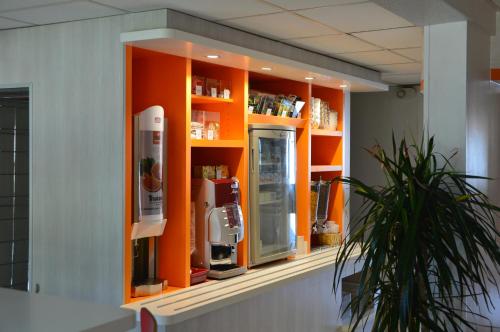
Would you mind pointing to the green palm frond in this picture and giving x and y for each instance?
(427, 240)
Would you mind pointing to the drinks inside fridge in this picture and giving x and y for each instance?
(272, 193)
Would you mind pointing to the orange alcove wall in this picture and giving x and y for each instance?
(160, 79)
(328, 150)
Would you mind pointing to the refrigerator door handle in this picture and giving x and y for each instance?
(252, 161)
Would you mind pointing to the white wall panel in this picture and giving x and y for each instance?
(76, 72)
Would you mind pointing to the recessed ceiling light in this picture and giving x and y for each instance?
(266, 68)
(213, 56)
(343, 86)
(308, 78)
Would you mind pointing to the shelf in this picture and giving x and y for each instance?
(270, 119)
(195, 99)
(170, 289)
(221, 143)
(325, 168)
(326, 132)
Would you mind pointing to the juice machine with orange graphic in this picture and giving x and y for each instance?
(149, 199)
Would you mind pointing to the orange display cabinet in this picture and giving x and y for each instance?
(154, 78)
(327, 152)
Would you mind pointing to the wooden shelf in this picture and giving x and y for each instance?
(270, 119)
(326, 132)
(221, 143)
(325, 168)
(195, 99)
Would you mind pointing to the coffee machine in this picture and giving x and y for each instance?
(219, 227)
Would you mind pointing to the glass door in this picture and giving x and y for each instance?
(14, 188)
(273, 222)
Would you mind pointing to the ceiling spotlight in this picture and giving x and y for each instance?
(213, 56)
(266, 68)
(343, 86)
(308, 78)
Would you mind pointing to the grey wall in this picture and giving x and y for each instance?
(374, 116)
(76, 71)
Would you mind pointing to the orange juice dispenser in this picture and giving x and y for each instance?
(149, 199)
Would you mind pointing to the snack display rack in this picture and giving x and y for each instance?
(156, 78)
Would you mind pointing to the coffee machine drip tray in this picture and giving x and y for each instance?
(224, 271)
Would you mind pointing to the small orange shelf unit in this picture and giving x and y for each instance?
(202, 143)
(326, 168)
(326, 132)
(276, 120)
(195, 99)
(155, 78)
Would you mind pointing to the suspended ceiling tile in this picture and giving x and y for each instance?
(303, 4)
(395, 38)
(70, 11)
(415, 53)
(401, 79)
(281, 26)
(20, 4)
(211, 9)
(334, 44)
(10, 24)
(406, 68)
(365, 16)
(373, 58)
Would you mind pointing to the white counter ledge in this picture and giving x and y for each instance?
(178, 306)
(22, 311)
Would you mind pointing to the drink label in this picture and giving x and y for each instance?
(227, 94)
(150, 173)
(213, 91)
(250, 109)
(199, 90)
(210, 134)
(269, 111)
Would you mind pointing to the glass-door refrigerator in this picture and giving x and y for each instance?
(272, 233)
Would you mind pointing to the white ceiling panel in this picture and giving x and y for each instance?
(20, 4)
(406, 68)
(62, 13)
(281, 26)
(416, 53)
(395, 38)
(11, 24)
(334, 44)
(303, 4)
(374, 58)
(356, 17)
(211, 9)
(401, 79)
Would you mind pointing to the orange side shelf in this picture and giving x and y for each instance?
(232, 148)
(160, 79)
(276, 120)
(209, 100)
(327, 152)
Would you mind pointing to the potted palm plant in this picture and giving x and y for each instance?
(427, 240)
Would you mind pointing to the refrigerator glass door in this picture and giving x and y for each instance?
(273, 222)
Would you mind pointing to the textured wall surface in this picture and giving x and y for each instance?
(374, 116)
(76, 73)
